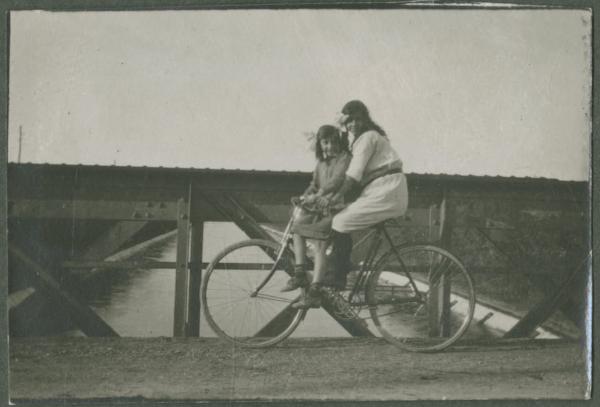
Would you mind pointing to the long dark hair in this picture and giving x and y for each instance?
(331, 133)
(356, 108)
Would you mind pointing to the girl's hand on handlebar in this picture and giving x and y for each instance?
(322, 202)
(309, 199)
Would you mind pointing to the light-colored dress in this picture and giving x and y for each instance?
(383, 198)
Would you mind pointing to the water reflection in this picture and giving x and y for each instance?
(140, 302)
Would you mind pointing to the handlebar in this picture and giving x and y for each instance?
(299, 201)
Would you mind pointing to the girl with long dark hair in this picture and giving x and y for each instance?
(376, 172)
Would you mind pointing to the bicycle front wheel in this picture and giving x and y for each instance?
(421, 298)
(241, 294)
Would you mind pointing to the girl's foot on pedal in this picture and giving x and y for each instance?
(312, 298)
(298, 280)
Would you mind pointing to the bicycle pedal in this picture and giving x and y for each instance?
(344, 317)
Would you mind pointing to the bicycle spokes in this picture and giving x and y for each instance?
(421, 298)
(242, 298)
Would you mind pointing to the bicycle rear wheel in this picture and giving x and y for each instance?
(421, 298)
(233, 307)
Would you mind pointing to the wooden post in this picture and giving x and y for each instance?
(182, 272)
(193, 318)
(434, 223)
(439, 285)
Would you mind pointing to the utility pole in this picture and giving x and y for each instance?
(20, 143)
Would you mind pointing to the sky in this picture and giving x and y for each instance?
(471, 92)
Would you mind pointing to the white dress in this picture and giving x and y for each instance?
(384, 198)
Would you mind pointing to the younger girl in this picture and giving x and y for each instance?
(333, 158)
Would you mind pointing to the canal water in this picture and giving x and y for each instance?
(139, 303)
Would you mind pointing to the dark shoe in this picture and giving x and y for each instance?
(298, 280)
(312, 298)
(340, 282)
(295, 283)
(337, 278)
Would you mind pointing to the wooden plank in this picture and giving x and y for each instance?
(92, 209)
(182, 274)
(87, 320)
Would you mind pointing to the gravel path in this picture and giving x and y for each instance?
(333, 369)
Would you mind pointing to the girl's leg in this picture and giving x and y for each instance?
(320, 260)
(299, 279)
(299, 248)
(342, 250)
(312, 299)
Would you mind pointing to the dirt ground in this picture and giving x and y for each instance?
(331, 369)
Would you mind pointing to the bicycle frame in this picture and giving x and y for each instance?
(366, 266)
(287, 234)
(370, 261)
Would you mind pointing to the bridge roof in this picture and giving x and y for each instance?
(452, 178)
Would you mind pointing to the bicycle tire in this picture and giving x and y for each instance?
(225, 287)
(413, 318)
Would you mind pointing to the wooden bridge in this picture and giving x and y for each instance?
(72, 217)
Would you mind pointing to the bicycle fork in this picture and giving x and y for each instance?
(284, 242)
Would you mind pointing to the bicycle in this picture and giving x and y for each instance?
(419, 297)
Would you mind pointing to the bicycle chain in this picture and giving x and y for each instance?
(341, 308)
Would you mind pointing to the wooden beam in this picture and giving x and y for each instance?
(544, 309)
(87, 320)
(182, 272)
(278, 323)
(24, 319)
(233, 210)
(92, 209)
(355, 327)
(16, 298)
(112, 240)
(151, 264)
(124, 265)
